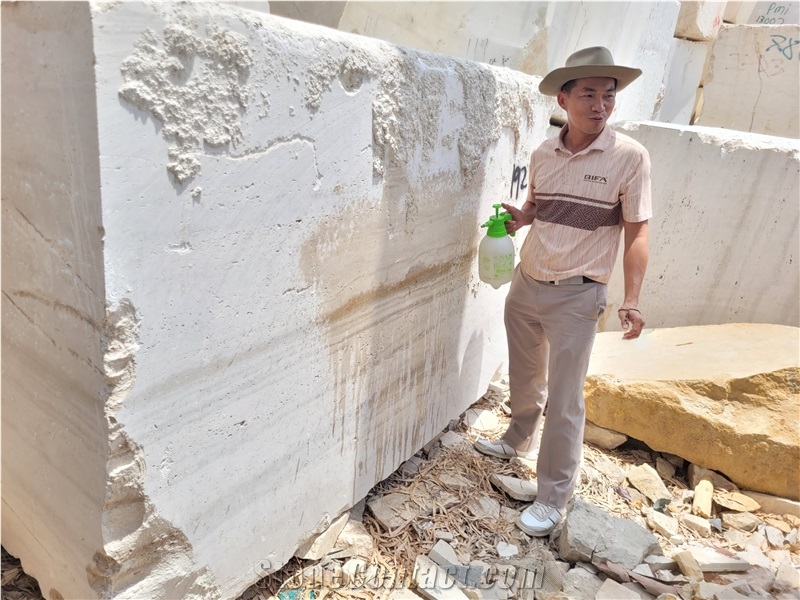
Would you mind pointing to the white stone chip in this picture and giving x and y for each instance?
(519, 489)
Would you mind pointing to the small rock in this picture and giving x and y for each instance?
(456, 481)
(688, 565)
(677, 540)
(787, 578)
(484, 507)
(704, 590)
(665, 468)
(320, 545)
(509, 514)
(411, 466)
(697, 524)
(603, 438)
(744, 521)
(775, 536)
(443, 535)
(580, 583)
(505, 550)
(711, 561)
(675, 460)
(443, 554)
(643, 569)
(645, 479)
(387, 510)
(481, 419)
(670, 577)
(736, 501)
(453, 440)
(791, 537)
(701, 504)
(434, 583)
(668, 597)
(663, 524)
(758, 541)
(716, 524)
(697, 473)
(519, 489)
(611, 590)
(610, 469)
(779, 524)
(429, 446)
(734, 537)
(354, 540)
(755, 557)
(658, 562)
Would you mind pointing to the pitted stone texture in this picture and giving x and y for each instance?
(759, 64)
(725, 396)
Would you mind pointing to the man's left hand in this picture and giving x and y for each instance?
(632, 321)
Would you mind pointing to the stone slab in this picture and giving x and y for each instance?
(682, 377)
(705, 180)
(602, 437)
(519, 489)
(775, 505)
(699, 20)
(760, 64)
(685, 66)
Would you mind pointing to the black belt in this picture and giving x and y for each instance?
(576, 280)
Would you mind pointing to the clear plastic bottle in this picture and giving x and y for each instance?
(496, 251)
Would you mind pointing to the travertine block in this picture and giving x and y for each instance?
(239, 281)
(759, 66)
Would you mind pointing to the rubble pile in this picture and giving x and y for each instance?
(642, 525)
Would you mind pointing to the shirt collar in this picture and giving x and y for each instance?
(602, 143)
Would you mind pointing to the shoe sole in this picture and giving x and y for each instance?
(532, 532)
(488, 452)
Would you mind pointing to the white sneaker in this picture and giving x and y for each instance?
(500, 449)
(540, 519)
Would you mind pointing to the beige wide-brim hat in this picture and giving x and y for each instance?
(589, 62)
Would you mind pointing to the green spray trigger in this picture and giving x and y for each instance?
(497, 223)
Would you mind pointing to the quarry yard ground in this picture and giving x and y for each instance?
(457, 503)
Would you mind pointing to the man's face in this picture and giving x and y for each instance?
(589, 103)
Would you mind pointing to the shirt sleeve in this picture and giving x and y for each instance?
(635, 195)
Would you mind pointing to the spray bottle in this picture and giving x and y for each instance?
(496, 251)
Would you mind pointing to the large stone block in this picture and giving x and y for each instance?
(724, 237)
(685, 65)
(533, 37)
(725, 397)
(239, 281)
(760, 67)
(699, 20)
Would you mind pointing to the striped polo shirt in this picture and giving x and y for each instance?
(581, 200)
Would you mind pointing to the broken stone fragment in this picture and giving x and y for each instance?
(453, 440)
(735, 501)
(443, 554)
(701, 503)
(322, 544)
(434, 583)
(591, 535)
(602, 437)
(787, 578)
(659, 562)
(506, 550)
(443, 535)
(354, 540)
(697, 524)
(411, 466)
(775, 505)
(580, 583)
(774, 536)
(695, 473)
(645, 479)
(665, 468)
(484, 507)
(711, 561)
(481, 419)
(611, 590)
(744, 521)
(688, 565)
(456, 481)
(519, 489)
(610, 469)
(663, 524)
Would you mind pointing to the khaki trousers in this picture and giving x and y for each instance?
(550, 332)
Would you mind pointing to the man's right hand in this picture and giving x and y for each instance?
(519, 218)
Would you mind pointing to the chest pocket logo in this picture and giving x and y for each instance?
(596, 179)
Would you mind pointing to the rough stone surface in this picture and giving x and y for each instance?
(320, 545)
(695, 473)
(355, 540)
(760, 64)
(685, 65)
(580, 583)
(433, 582)
(705, 188)
(590, 535)
(663, 524)
(519, 489)
(481, 419)
(697, 524)
(711, 561)
(645, 479)
(775, 505)
(735, 501)
(725, 396)
(786, 578)
(443, 554)
(602, 437)
(688, 565)
(611, 590)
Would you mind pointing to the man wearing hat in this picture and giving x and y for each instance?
(589, 185)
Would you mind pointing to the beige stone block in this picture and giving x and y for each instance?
(699, 19)
(701, 503)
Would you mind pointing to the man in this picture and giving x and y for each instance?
(587, 185)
